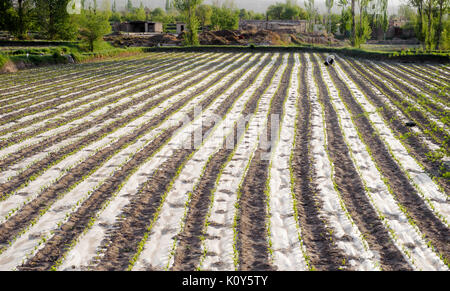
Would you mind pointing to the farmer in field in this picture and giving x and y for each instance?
(329, 61)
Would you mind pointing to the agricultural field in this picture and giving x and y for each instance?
(225, 161)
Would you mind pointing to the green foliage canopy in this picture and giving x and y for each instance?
(224, 18)
(93, 27)
(187, 9)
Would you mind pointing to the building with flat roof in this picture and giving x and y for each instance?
(141, 27)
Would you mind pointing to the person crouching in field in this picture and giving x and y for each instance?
(329, 61)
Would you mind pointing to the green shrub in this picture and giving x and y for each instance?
(77, 57)
(3, 60)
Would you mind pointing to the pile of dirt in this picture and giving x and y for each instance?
(139, 40)
(223, 37)
(311, 38)
(168, 39)
(8, 67)
(239, 37)
(262, 37)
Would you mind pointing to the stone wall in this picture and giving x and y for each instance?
(291, 26)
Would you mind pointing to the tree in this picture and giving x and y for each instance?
(53, 20)
(115, 15)
(443, 7)
(419, 27)
(428, 21)
(248, 15)
(6, 9)
(363, 30)
(140, 12)
(93, 27)
(345, 20)
(129, 6)
(275, 11)
(445, 38)
(286, 11)
(187, 8)
(256, 16)
(385, 23)
(429, 35)
(157, 13)
(168, 5)
(20, 16)
(224, 18)
(382, 20)
(204, 13)
(311, 13)
(406, 12)
(334, 22)
(243, 14)
(353, 37)
(106, 7)
(292, 11)
(329, 4)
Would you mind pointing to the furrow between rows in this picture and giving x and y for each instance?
(253, 218)
(435, 199)
(189, 249)
(129, 106)
(51, 87)
(219, 246)
(288, 251)
(419, 90)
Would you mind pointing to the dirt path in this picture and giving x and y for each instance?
(322, 253)
(252, 214)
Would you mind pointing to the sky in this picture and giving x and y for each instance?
(255, 5)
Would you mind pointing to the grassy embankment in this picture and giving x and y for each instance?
(23, 54)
